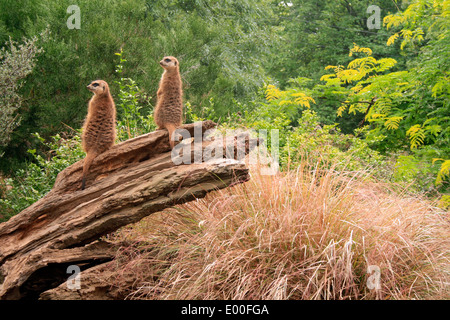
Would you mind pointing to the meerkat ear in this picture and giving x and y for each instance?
(176, 62)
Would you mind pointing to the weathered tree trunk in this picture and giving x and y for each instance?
(125, 184)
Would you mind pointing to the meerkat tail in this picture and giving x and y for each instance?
(86, 165)
(171, 128)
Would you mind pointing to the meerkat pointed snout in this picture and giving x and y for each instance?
(99, 129)
(169, 107)
(169, 63)
(98, 87)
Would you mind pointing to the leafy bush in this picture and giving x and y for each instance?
(409, 107)
(303, 135)
(130, 100)
(311, 140)
(417, 171)
(16, 63)
(38, 177)
(402, 110)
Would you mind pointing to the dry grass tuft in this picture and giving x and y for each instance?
(305, 234)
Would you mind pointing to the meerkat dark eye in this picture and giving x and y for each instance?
(167, 60)
(95, 85)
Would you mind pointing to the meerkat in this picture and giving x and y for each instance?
(169, 107)
(99, 129)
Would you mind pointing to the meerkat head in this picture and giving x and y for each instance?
(169, 63)
(98, 87)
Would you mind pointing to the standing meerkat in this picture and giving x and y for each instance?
(99, 129)
(169, 107)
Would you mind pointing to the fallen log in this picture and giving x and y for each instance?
(97, 283)
(127, 183)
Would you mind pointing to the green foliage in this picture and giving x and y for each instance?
(191, 115)
(425, 29)
(444, 171)
(302, 135)
(16, 63)
(397, 106)
(130, 121)
(444, 202)
(415, 171)
(37, 178)
(318, 33)
(328, 145)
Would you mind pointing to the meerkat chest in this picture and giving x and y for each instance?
(101, 107)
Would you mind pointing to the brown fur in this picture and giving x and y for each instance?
(169, 107)
(99, 130)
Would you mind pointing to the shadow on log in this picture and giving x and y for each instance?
(127, 183)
